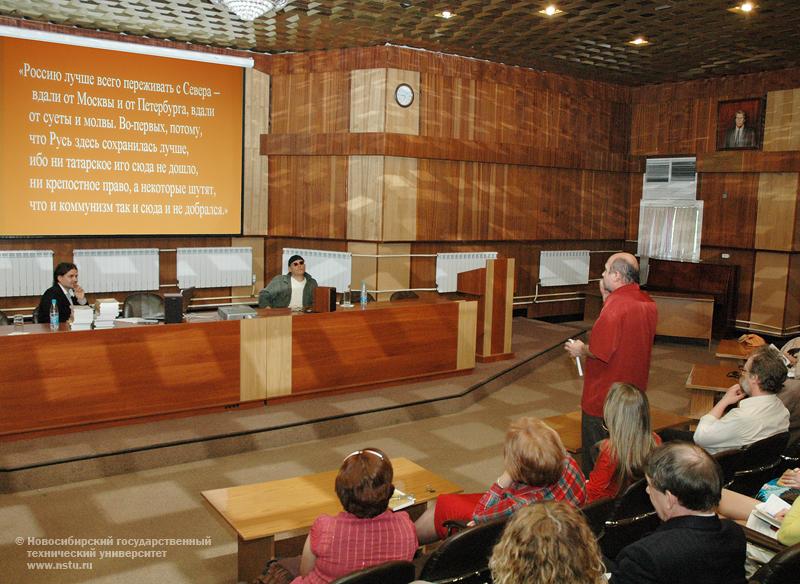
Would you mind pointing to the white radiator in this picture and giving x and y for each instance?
(25, 273)
(215, 267)
(328, 268)
(564, 268)
(449, 265)
(117, 270)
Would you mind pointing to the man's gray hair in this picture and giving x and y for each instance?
(627, 271)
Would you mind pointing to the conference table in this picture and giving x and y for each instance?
(56, 380)
(732, 349)
(264, 513)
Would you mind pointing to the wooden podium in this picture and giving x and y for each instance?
(494, 287)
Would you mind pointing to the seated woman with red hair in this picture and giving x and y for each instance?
(365, 534)
(537, 468)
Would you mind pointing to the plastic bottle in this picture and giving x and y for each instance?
(53, 315)
(364, 297)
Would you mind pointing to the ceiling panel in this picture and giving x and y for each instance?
(690, 39)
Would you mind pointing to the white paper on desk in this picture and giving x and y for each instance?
(400, 500)
(18, 333)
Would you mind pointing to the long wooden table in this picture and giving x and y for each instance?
(568, 425)
(262, 513)
(705, 382)
(56, 380)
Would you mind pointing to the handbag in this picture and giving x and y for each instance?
(274, 573)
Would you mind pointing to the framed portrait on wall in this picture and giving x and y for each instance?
(740, 124)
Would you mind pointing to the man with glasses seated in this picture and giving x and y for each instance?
(294, 289)
(760, 414)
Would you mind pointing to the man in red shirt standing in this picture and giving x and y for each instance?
(619, 348)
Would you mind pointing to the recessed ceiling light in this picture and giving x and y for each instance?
(744, 7)
(446, 14)
(639, 41)
(551, 10)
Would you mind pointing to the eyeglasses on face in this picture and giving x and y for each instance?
(298, 263)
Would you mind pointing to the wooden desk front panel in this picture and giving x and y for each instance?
(67, 378)
(382, 343)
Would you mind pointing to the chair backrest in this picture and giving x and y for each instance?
(465, 553)
(633, 518)
(790, 458)
(597, 513)
(143, 305)
(783, 568)
(398, 572)
(760, 461)
(730, 461)
(403, 295)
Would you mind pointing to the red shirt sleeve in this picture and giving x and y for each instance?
(601, 480)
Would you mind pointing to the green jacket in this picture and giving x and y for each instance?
(278, 292)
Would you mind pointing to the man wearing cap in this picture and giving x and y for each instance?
(294, 289)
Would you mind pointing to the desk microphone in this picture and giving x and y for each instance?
(577, 361)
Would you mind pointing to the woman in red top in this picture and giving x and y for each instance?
(365, 534)
(626, 413)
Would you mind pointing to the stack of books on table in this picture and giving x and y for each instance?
(107, 310)
(81, 319)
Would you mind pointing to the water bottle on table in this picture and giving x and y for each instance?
(54, 315)
(364, 297)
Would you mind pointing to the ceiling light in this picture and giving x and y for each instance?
(744, 7)
(251, 9)
(551, 11)
(446, 14)
(639, 41)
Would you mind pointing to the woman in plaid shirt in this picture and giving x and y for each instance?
(537, 468)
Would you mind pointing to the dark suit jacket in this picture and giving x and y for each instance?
(685, 550)
(64, 311)
(748, 138)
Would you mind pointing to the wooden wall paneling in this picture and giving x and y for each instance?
(368, 90)
(257, 244)
(256, 184)
(278, 356)
(393, 273)
(365, 196)
(399, 199)
(312, 103)
(730, 203)
(252, 350)
(634, 199)
(437, 189)
(308, 196)
(745, 259)
(791, 317)
(467, 334)
(402, 120)
(782, 124)
(770, 284)
(363, 268)
(620, 127)
(447, 107)
(777, 211)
